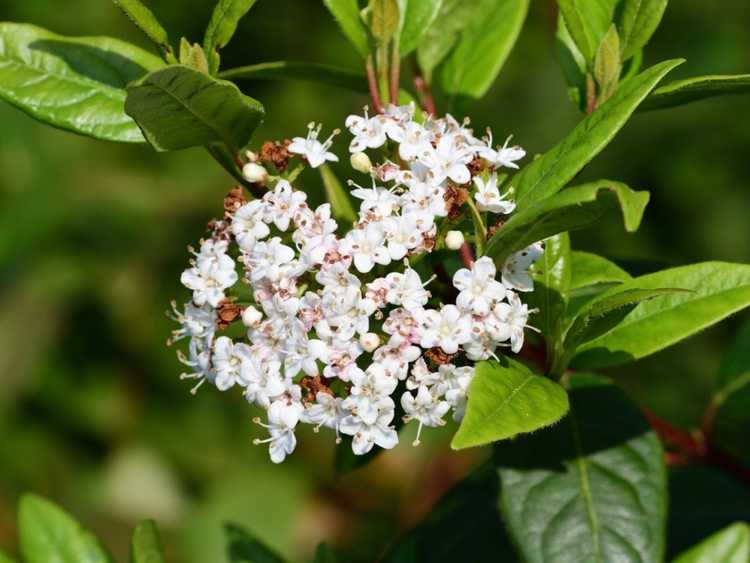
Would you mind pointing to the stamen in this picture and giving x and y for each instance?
(416, 442)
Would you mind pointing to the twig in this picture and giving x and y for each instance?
(425, 94)
(372, 83)
(395, 69)
(466, 256)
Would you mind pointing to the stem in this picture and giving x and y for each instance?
(372, 84)
(425, 94)
(466, 256)
(395, 69)
(480, 231)
(590, 94)
(383, 71)
(228, 162)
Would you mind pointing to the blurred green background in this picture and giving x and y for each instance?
(93, 237)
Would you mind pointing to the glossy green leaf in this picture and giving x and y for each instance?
(464, 525)
(74, 83)
(731, 400)
(636, 21)
(146, 21)
(346, 13)
(222, 26)
(337, 196)
(571, 209)
(592, 488)
(325, 554)
(482, 50)
(587, 21)
(573, 64)
(418, 17)
(716, 290)
(507, 399)
(682, 92)
(48, 534)
(244, 548)
(550, 172)
(293, 70)
(590, 269)
(730, 545)
(178, 107)
(145, 547)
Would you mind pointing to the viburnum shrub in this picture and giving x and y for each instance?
(438, 280)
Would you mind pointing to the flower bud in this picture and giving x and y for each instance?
(361, 162)
(369, 341)
(454, 239)
(251, 317)
(254, 173)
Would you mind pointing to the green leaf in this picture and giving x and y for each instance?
(572, 63)
(464, 525)
(178, 107)
(222, 26)
(346, 13)
(506, 400)
(418, 17)
(607, 64)
(193, 56)
(4, 558)
(292, 70)
(145, 547)
(384, 18)
(483, 48)
(325, 554)
(74, 83)
(337, 196)
(717, 289)
(550, 172)
(592, 488)
(730, 545)
(48, 534)
(695, 89)
(146, 21)
(731, 401)
(551, 286)
(573, 208)
(587, 21)
(637, 20)
(590, 269)
(244, 548)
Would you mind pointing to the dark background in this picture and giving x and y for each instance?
(93, 237)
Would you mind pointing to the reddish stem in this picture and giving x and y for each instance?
(395, 77)
(425, 94)
(466, 256)
(372, 83)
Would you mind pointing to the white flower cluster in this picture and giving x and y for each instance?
(333, 338)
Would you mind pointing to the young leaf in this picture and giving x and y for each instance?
(590, 269)
(309, 72)
(550, 172)
(418, 17)
(730, 545)
(178, 107)
(222, 26)
(244, 548)
(346, 13)
(506, 400)
(337, 196)
(717, 290)
(607, 64)
(48, 533)
(74, 83)
(384, 18)
(464, 525)
(484, 46)
(587, 21)
(637, 20)
(682, 92)
(573, 208)
(145, 19)
(145, 547)
(592, 488)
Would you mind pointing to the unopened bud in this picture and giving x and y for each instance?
(361, 162)
(454, 239)
(251, 317)
(254, 173)
(369, 341)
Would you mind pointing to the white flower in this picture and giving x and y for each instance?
(426, 408)
(478, 287)
(370, 393)
(282, 204)
(199, 360)
(488, 196)
(196, 321)
(421, 376)
(366, 247)
(267, 259)
(402, 235)
(406, 289)
(283, 416)
(265, 383)
(377, 200)
(516, 268)
(248, 226)
(396, 355)
(314, 151)
(413, 140)
(208, 282)
(448, 329)
(254, 173)
(513, 316)
(365, 435)
(369, 132)
(507, 156)
(455, 385)
(232, 362)
(326, 411)
(448, 160)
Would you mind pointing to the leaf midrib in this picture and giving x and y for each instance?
(583, 475)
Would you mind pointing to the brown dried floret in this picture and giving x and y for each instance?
(455, 197)
(227, 313)
(277, 153)
(438, 357)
